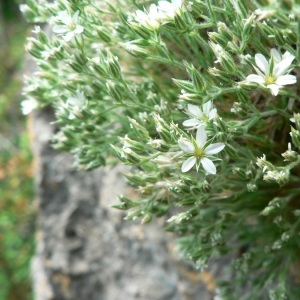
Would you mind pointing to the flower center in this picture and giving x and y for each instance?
(205, 118)
(270, 80)
(199, 153)
(72, 26)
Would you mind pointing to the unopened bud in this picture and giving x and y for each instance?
(113, 66)
(206, 188)
(290, 155)
(295, 134)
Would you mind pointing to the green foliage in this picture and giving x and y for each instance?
(16, 183)
(197, 97)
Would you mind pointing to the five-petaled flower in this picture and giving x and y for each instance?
(200, 152)
(200, 116)
(273, 73)
(70, 28)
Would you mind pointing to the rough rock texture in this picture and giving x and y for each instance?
(85, 250)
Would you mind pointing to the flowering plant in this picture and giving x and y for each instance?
(123, 78)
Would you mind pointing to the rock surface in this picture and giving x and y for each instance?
(85, 250)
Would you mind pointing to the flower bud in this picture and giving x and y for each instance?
(197, 79)
(159, 145)
(102, 33)
(139, 130)
(98, 67)
(142, 31)
(114, 91)
(279, 38)
(131, 156)
(185, 85)
(251, 187)
(225, 31)
(290, 36)
(206, 188)
(147, 218)
(113, 66)
(133, 145)
(290, 155)
(248, 27)
(181, 24)
(218, 38)
(295, 134)
(240, 172)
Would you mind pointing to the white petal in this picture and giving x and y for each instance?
(141, 16)
(286, 79)
(73, 101)
(153, 10)
(165, 6)
(212, 113)
(276, 55)
(68, 36)
(191, 122)
(214, 148)
(201, 136)
(255, 78)
(64, 17)
(186, 146)
(287, 55)
(194, 110)
(78, 29)
(274, 89)
(75, 16)
(188, 164)
(283, 66)
(60, 29)
(207, 107)
(208, 165)
(262, 63)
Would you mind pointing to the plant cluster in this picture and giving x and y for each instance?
(201, 99)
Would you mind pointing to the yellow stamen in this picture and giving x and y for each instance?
(270, 80)
(199, 153)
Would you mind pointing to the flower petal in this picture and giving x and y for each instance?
(186, 146)
(78, 29)
(276, 55)
(208, 165)
(191, 122)
(214, 148)
(255, 78)
(283, 66)
(188, 164)
(194, 110)
(201, 136)
(274, 89)
(68, 36)
(212, 114)
(286, 79)
(60, 29)
(262, 63)
(75, 16)
(207, 107)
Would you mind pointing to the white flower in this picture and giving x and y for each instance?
(70, 28)
(200, 117)
(170, 9)
(199, 152)
(76, 104)
(273, 75)
(28, 106)
(149, 20)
